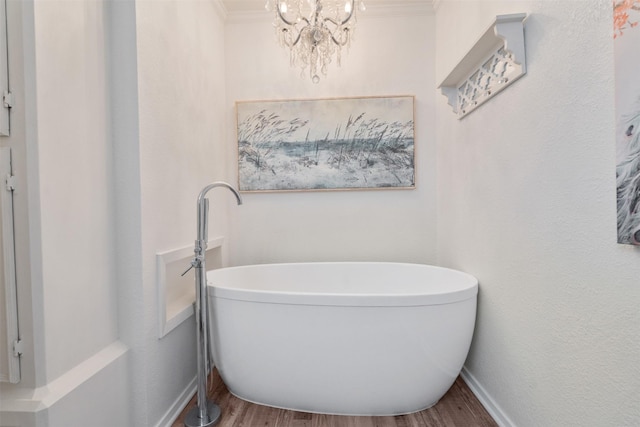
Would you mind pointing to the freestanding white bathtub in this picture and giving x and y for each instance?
(341, 338)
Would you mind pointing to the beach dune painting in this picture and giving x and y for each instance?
(326, 144)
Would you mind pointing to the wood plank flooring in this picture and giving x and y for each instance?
(458, 408)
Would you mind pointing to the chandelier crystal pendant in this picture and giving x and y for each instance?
(314, 31)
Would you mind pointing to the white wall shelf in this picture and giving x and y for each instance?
(494, 62)
(176, 293)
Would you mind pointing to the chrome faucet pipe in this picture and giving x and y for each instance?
(206, 413)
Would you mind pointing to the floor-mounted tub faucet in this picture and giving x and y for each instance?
(206, 413)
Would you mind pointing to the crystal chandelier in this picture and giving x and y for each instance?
(314, 30)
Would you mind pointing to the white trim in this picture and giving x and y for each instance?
(405, 8)
(178, 406)
(221, 9)
(485, 399)
(184, 303)
(233, 6)
(255, 11)
(30, 400)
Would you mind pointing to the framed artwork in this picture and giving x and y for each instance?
(326, 144)
(626, 15)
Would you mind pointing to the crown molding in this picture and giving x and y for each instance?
(397, 8)
(241, 10)
(221, 9)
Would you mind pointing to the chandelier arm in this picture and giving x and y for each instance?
(332, 21)
(285, 20)
(338, 42)
(295, 42)
(345, 20)
(292, 26)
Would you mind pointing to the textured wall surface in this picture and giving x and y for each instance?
(526, 203)
(70, 324)
(387, 57)
(74, 156)
(129, 99)
(181, 94)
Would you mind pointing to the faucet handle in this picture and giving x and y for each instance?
(187, 270)
(195, 262)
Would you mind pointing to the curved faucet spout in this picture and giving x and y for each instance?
(206, 189)
(203, 208)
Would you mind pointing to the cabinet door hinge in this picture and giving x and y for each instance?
(10, 182)
(18, 348)
(7, 99)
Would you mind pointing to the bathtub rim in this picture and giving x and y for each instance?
(469, 291)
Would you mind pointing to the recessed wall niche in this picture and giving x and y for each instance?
(176, 293)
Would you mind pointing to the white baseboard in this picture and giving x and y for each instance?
(178, 405)
(486, 400)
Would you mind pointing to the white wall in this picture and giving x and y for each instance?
(392, 54)
(525, 197)
(75, 183)
(181, 97)
(526, 203)
(70, 324)
(125, 126)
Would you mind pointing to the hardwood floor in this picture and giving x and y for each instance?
(458, 408)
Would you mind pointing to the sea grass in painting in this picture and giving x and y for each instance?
(326, 144)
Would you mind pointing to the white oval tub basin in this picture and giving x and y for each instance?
(341, 338)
